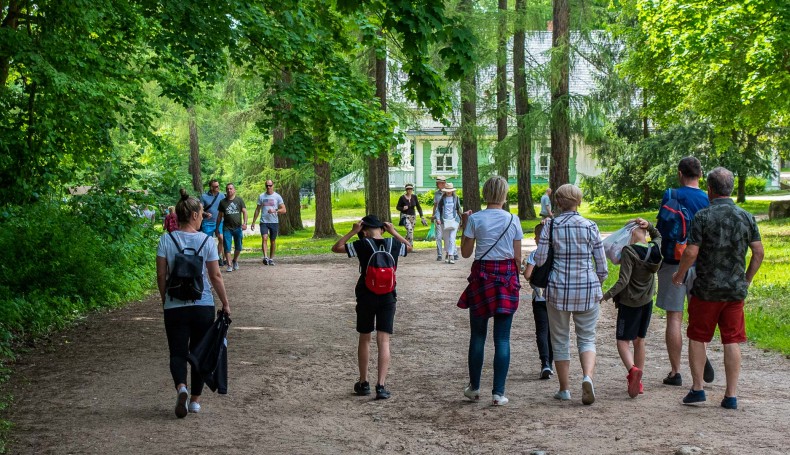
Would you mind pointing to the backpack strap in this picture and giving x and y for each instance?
(201, 245)
(206, 207)
(180, 250)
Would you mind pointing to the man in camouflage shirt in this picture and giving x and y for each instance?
(718, 242)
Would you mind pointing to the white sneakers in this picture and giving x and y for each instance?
(194, 407)
(472, 394)
(563, 395)
(499, 400)
(229, 269)
(235, 265)
(588, 391)
(181, 402)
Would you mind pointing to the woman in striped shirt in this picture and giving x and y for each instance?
(574, 288)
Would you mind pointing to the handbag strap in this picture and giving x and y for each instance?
(497, 240)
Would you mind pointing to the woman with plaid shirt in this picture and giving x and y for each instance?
(493, 284)
(574, 288)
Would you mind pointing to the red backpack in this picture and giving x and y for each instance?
(380, 273)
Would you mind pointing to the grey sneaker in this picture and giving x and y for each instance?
(563, 395)
(588, 392)
(235, 265)
(181, 403)
(229, 269)
(472, 394)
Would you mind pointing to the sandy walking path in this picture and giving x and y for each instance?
(104, 386)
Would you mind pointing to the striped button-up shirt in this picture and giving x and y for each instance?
(579, 262)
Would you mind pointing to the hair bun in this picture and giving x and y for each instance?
(184, 194)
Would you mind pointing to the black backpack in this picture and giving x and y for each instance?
(186, 278)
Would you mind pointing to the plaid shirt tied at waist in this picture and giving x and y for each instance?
(493, 288)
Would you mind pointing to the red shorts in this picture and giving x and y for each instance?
(704, 316)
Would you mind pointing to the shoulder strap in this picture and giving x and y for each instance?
(206, 207)
(180, 250)
(201, 245)
(497, 240)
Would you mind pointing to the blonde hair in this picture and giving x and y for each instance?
(495, 190)
(568, 196)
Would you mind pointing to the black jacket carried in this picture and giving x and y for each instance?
(210, 357)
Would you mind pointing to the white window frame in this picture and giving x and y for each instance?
(540, 169)
(447, 151)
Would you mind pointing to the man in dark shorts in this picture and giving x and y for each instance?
(374, 311)
(270, 206)
(719, 239)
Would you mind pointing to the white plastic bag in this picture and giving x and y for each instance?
(613, 245)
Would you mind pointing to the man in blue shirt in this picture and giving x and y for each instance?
(210, 200)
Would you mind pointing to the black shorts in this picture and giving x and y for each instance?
(633, 322)
(382, 314)
(270, 229)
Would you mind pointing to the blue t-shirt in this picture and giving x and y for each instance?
(694, 199)
(206, 199)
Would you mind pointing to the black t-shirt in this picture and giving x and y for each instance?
(361, 250)
(231, 209)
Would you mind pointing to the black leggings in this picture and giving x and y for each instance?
(185, 327)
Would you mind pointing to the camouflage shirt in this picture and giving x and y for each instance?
(723, 232)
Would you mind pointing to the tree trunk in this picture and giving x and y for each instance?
(741, 188)
(324, 224)
(194, 152)
(377, 185)
(11, 21)
(501, 93)
(470, 178)
(560, 102)
(526, 208)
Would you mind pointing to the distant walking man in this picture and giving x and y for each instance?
(720, 235)
(545, 205)
(210, 226)
(270, 206)
(233, 215)
(437, 226)
(671, 298)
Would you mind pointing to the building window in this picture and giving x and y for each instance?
(543, 161)
(444, 159)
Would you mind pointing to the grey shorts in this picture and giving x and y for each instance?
(671, 297)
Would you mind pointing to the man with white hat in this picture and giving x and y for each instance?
(447, 213)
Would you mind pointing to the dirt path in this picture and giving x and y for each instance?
(104, 387)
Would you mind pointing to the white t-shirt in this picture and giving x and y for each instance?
(168, 250)
(269, 201)
(486, 226)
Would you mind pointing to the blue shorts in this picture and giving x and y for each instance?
(210, 227)
(234, 235)
(270, 229)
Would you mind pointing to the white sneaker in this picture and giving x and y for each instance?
(499, 400)
(194, 407)
(181, 402)
(229, 269)
(588, 391)
(451, 260)
(472, 394)
(235, 265)
(563, 395)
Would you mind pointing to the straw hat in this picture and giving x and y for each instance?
(449, 188)
(441, 179)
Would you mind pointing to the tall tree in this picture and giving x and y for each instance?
(560, 99)
(526, 209)
(194, 152)
(377, 186)
(501, 87)
(470, 177)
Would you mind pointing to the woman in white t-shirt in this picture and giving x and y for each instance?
(447, 213)
(187, 321)
(494, 236)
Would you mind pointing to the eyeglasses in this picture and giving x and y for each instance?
(215, 187)
(269, 186)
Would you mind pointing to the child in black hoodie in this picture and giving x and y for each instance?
(633, 296)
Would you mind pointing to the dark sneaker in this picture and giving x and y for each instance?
(221, 262)
(271, 261)
(673, 380)
(546, 373)
(381, 392)
(729, 403)
(708, 375)
(455, 256)
(694, 396)
(265, 261)
(181, 403)
(439, 257)
(362, 388)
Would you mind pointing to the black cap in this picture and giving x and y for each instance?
(372, 221)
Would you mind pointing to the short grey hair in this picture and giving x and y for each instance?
(721, 181)
(568, 196)
(495, 190)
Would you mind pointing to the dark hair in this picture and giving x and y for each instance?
(538, 229)
(721, 181)
(186, 206)
(690, 167)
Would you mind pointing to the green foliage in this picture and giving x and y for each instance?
(70, 267)
(537, 191)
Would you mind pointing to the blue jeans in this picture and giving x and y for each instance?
(477, 343)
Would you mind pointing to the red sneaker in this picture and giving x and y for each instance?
(634, 378)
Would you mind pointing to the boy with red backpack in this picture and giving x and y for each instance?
(375, 293)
